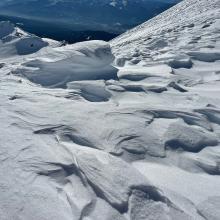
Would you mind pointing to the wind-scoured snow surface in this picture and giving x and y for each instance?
(83, 139)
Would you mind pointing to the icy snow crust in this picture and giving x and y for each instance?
(136, 140)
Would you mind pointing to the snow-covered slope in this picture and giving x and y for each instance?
(13, 41)
(83, 139)
(175, 28)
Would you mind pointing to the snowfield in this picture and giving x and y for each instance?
(126, 130)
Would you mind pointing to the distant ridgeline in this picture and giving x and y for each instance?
(57, 32)
(80, 20)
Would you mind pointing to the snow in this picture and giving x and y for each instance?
(209, 208)
(196, 187)
(125, 130)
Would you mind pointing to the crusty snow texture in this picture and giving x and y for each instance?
(126, 130)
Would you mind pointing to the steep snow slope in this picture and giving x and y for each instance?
(185, 18)
(141, 143)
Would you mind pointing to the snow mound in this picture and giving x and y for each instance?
(29, 45)
(82, 61)
(14, 41)
(189, 138)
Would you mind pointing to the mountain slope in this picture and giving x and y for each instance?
(109, 15)
(83, 138)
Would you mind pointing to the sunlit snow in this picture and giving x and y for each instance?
(125, 130)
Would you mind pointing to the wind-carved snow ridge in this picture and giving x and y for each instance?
(82, 61)
(126, 130)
